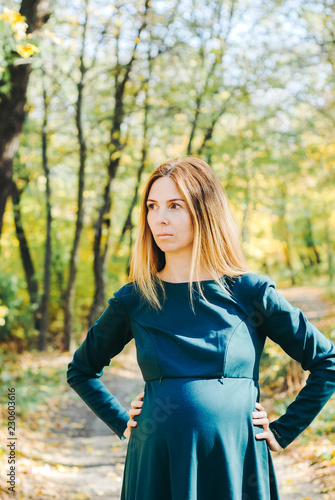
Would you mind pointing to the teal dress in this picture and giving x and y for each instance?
(195, 439)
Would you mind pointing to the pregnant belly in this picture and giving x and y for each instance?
(192, 406)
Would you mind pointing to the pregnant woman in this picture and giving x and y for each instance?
(199, 318)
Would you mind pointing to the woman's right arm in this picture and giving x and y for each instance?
(105, 339)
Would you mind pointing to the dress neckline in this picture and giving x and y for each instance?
(188, 282)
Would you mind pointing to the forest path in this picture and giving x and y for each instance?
(82, 460)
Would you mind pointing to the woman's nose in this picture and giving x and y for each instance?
(162, 216)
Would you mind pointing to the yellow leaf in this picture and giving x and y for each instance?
(11, 16)
(26, 50)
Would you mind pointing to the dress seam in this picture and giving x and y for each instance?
(120, 300)
(153, 343)
(227, 349)
(205, 377)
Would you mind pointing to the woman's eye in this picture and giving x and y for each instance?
(153, 206)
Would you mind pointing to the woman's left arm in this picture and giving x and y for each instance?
(287, 326)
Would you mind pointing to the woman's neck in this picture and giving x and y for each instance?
(178, 270)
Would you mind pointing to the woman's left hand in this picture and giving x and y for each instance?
(260, 417)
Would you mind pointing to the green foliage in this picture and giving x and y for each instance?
(15, 313)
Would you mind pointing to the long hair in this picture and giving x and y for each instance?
(216, 245)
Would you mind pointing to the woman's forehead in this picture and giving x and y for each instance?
(164, 188)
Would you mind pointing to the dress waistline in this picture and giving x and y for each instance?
(220, 377)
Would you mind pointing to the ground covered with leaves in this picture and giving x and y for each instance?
(63, 451)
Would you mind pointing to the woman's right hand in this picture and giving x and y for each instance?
(136, 408)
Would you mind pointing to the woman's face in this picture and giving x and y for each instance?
(168, 218)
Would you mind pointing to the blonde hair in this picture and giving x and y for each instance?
(216, 245)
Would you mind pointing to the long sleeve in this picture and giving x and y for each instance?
(287, 326)
(105, 339)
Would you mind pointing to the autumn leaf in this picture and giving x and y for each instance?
(26, 50)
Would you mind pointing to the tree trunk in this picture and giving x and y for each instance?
(128, 224)
(99, 251)
(27, 262)
(139, 177)
(12, 106)
(201, 94)
(309, 238)
(194, 124)
(47, 257)
(116, 146)
(208, 134)
(285, 233)
(70, 289)
(103, 221)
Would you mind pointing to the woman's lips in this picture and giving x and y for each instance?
(163, 236)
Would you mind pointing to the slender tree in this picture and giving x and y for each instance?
(84, 70)
(202, 88)
(285, 233)
(70, 289)
(43, 309)
(100, 245)
(128, 224)
(27, 261)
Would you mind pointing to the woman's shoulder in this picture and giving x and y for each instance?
(128, 296)
(125, 292)
(249, 284)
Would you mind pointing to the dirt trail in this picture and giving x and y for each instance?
(83, 460)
